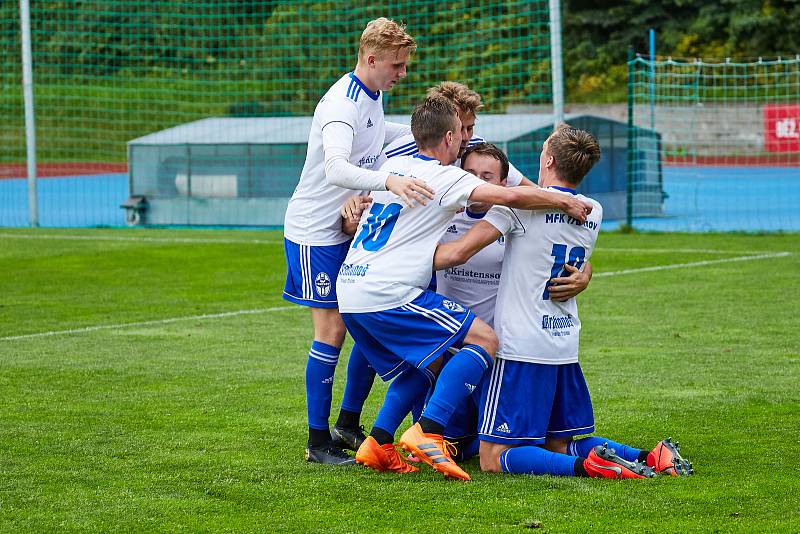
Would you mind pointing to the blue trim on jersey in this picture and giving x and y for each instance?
(407, 152)
(565, 189)
(473, 215)
(373, 96)
(423, 157)
(350, 89)
(476, 141)
(396, 151)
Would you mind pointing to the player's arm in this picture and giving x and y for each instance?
(531, 198)
(338, 131)
(351, 212)
(461, 250)
(566, 287)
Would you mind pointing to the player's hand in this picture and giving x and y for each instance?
(354, 207)
(566, 287)
(409, 189)
(577, 209)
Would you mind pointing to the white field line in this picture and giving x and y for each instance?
(693, 264)
(277, 242)
(145, 239)
(151, 323)
(680, 250)
(283, 308)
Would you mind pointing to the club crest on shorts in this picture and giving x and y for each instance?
(452, 306)
(322, 283)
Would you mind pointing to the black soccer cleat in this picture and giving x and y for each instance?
(328, 453)
(348, 438)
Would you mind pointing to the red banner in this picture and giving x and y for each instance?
(782, 127)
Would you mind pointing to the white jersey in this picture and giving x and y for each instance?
(312, 216)
(475, 283)
(391, 259)
(406, 146)
(532, 327)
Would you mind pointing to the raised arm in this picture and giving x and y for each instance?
(461, 250)
(531, 198)
(337, 143)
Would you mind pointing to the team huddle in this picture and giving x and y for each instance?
(456, 277)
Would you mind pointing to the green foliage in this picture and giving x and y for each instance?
(597, 35)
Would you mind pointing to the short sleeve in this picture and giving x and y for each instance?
(461, 186)
(506, 220)
(514, 176)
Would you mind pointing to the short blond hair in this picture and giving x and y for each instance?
(383, 35)
(574, 152)
(464, 98)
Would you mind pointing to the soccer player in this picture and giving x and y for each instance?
(475, 283)
(347, 134)
(402, 328)
(537, 399)
(467, 103)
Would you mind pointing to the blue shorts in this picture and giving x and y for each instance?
(412, 335)
(526, 402)
(311, 273)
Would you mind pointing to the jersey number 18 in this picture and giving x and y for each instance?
(577, 255)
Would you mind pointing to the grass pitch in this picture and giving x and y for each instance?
(127, 404)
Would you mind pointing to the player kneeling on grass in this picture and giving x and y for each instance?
(536, 399)
(402, 328)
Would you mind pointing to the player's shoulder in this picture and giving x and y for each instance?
(402, 146)
(349, 89)
(401, 165)
(597, 206)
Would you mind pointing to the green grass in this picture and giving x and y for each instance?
(199, 425)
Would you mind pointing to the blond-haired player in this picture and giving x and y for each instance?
(347, 134)
(468, 103)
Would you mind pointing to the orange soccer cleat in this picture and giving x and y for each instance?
(666, 458)
(433, 450)
(382, 457)
(603, 462)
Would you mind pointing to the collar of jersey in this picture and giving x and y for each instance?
(473, 215)
(565, 189)
(373, 96)
(424, 158)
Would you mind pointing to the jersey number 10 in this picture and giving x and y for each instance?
(576, 258)
(378, 227)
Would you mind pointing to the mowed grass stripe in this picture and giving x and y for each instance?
(692, 264)
(224, 315)
(154, 322)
